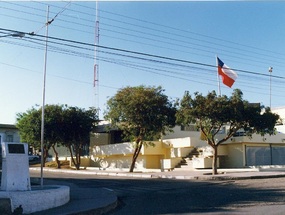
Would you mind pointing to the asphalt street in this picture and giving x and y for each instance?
(171, 196)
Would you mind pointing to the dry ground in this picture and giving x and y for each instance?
(52, 164)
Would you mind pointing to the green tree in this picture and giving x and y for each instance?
(76, 128)
(52, 129)
(142, 113)
(63, 126)
(211, 112)
(29, 125)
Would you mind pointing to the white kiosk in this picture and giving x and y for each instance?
(15, 167)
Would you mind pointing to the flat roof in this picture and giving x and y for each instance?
(8, 126)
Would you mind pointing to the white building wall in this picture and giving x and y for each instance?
(190, 141)
(8, 135)
(113, 149)
(281, 112)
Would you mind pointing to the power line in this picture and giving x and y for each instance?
(155, 24)
(166, 32)
(173, 75)
(191, 56)
(137, 53)
(190, 32)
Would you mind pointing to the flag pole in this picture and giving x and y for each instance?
(218, 77)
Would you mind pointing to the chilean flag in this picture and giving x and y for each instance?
(228, 76)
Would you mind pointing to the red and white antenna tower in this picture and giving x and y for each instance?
(96, 66)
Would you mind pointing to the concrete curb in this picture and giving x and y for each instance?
(220, 178)
(194, 175)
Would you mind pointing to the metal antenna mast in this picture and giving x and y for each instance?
(96, 66)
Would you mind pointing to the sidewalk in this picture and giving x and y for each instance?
(99, 201)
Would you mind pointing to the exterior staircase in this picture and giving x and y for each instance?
(186, 162)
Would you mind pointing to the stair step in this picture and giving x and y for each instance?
(186, 163)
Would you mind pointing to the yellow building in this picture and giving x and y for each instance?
(185, 146)
(185, 149)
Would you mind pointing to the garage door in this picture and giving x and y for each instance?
(256, 156)
(278, 155)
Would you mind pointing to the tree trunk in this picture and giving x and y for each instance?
(136, 154)
(76, 162)
(215, 159)
(71, 155)
(56, 156)
(77, 156)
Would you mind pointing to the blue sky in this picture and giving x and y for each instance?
(185, 37)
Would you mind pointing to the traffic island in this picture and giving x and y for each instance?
(16, 184)
(36, 199)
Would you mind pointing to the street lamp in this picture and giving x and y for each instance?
(270, 72)
(43, 99)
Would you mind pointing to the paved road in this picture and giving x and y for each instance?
(168, 196)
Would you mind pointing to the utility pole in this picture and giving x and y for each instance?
(44, 96)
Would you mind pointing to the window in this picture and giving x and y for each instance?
(221, 131)
(189, 128)
(239, 134)
(9, 138)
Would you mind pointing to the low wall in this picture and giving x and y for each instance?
(38, 199)
(84, 162)
(202, 163)
(167, 164)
